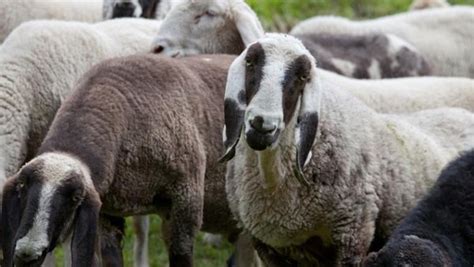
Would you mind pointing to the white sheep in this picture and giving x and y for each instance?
(14, 12)
(443, 36)
(150, 9)
(39, 64)
(424, 4)
(316, 174)
(227, 26)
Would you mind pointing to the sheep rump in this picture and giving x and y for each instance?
(15, 12)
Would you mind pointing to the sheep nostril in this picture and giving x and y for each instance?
(258, 124)
(158, 49)
(125, 5)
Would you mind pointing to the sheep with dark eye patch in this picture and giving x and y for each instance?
(150, 9)
(314, 175)
(435, 33)
(40, 62)
(439, 231)
(227, 26)
(143, 133)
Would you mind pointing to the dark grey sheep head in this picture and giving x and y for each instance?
(409, 251)
(47, 201)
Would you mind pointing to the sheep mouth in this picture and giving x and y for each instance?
(19, 262)
(260, 141)
(123, 12)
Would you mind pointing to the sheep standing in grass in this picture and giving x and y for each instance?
(439, 230)
(442, 35)
(315, 173)
(424, 4)
(39, 64)
(143, 134)
(150, 9)
(228, 26)
(15, 12)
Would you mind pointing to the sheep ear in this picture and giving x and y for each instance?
(307, 124)
(84, 238)
(234, 107)
(10, 217)
(247, 23)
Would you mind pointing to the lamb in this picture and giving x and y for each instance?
(13, 13)
(39, 64)
(228, 26)
(139, 135)
(317, 173)
(423, 4)
(150, 9)
(435, 33)
(438, 232)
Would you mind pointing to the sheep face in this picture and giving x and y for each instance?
(207, 26)
(49, 199)
(122, 8)
(269, 87)
(410, 251)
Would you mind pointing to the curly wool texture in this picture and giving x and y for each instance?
(39, 64)
(15, 12)
(451, 56)
(366, 172)
(404, 95)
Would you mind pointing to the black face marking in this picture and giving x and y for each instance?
(122, 10)
(296, 77)
(242, 97)
(66, 199)
(308, 125)
(149, 8)
(255, 60)
(234, 117)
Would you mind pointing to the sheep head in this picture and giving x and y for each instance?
(207, 27)
(270, 85)
(48, 200)
(410, 250)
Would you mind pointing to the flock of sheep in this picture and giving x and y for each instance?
(126, 117)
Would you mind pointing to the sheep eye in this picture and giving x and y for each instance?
(21, 185)
(210, 13)
(248, 63)
(303, 78)
(76, 198)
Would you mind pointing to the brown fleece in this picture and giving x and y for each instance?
(149, 129)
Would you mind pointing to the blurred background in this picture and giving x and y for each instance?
(276, 15)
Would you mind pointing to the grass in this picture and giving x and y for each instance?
(276, 15)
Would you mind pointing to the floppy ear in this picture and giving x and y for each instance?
(84, 238)
(307, 124)
(234, 106)
(247, 23)
(10, 217)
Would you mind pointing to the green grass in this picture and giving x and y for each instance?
(276, 15)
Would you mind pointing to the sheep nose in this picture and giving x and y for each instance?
(259, 125)
(26, 256)
(158, 49)
(125, 5)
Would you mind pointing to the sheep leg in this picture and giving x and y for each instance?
(112, 231)
(140, 247)
(180, 229)
(270, 257)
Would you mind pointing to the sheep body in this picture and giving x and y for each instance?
(437, 232)
(189, 30)
(365, 172)
(40, 63)
(451, 56)
(13, 13)
(147, 128)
